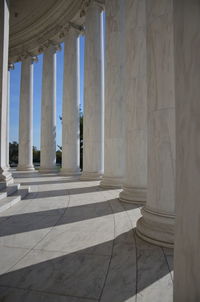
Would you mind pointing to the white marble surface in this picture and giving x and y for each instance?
(86, 252)
(25, 153)
(157, 224)
(135, 98)
(5, 176)
(114, 95)
(8, 120)
(93, 98)
(48, 111)
(187, 79)
(70, 106)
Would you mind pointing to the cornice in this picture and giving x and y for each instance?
(32, 40)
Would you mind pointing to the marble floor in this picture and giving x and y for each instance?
(71, 241)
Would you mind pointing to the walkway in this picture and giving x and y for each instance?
(71, 241)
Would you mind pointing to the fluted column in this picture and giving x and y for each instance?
(10, 67)
(93, 100)
(157, 222)
(25, 153)
(135, 98)
(48, 112)
(70, 107)
(114, 95)
(187, 87)
(5, 175)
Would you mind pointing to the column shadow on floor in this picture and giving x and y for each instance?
(27, 222)
(133, 266)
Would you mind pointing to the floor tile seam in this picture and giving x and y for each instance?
(47, 292)
(28, 251)
(136, 250)
(37, 242)
(165, 256)
(111, 256)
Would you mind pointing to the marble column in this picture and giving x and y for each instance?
(157, 222)
(5, 175)
(135, 98)
(187, 87)
(70, 107)
(25, 153)
(48, 112)
(93, 100)
(114, 95)
(10, 67)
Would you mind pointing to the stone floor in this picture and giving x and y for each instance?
(71, 241)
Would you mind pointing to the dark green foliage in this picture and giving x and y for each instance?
(13, 154)
(36, 155)
(58, 156)
(81, 140)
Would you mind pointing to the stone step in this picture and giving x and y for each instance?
(11, 200)
(2, 185)
(9, 190)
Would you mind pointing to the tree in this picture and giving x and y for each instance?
(13, 153)
(36, 155)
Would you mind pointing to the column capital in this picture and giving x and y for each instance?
(56, 46)
(69, 27)
(34, 59)
(27, 55)
(87, 3)
(100, 3)
(11, 66)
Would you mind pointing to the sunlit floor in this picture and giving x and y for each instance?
(71, 241)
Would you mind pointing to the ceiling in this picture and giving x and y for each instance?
(34, 22)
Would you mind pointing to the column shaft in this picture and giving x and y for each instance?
(187, 79)
(93, 100)
(48, 112)
(70, 115)
(8, 121)
(25, 155)
(5, 176)
(114, 95)
(135, 98)
(157, 223)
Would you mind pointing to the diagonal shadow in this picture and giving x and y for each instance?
(83, 274)
(27, 222)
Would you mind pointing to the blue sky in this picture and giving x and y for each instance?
(15, 95)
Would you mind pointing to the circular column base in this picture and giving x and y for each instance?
(68, 172)
(156, 228)
(5, 178)
(90, 176)
(48, 170)
(111, 182)
(25, 168)
(133, 195)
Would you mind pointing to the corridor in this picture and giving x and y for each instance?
(70, 241)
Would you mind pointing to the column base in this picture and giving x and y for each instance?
(111, 182)
(43, 170)
(90, 176)
(156, 228)
(133, 195)
(69, 172)
(5, 178)
(25, 168)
